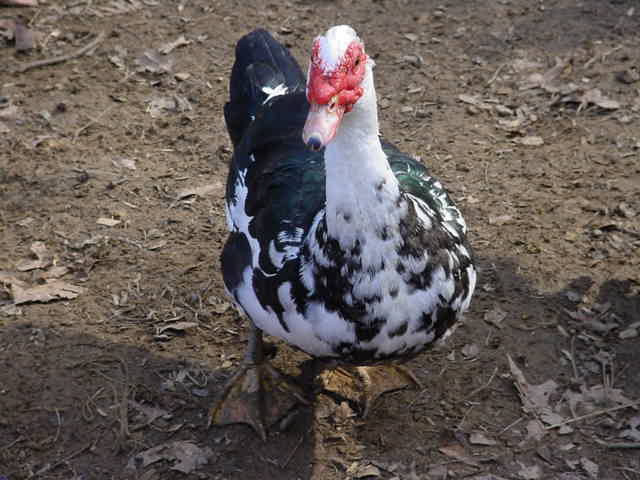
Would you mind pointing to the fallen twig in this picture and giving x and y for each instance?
(592, 414)
(11, 444)
(481, 387)
(63, 58)
(293, 452)
(50, 466)
(91, 122)
(512, 424)
(623, 445)
(601, 56)
(574, 367)
(495, 75)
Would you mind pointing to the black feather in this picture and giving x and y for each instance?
(260, 62)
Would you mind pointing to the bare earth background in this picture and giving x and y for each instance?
(112, 171)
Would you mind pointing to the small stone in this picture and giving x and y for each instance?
(624, 210)
(182, 76)
(628, 76)
(573, 296)
(415, 60)
(503, 111)
(200, 392)
(532, 141)
(565, 430)
(470, 350)
(471, 110)
(628, 333)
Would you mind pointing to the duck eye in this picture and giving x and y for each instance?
(357, 64)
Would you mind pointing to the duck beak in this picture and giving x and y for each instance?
(322, 124)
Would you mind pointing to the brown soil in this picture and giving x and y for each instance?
(86, 384)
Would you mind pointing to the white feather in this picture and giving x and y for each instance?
(334, 44)
(274, 92)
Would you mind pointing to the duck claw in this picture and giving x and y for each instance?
(257, 395)
(362, 386)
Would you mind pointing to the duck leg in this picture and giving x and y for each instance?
(362, 386)
(257, 394)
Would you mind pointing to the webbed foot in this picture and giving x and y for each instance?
(362, 386)
(257, 394)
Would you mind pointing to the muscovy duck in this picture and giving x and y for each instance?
(339, 244)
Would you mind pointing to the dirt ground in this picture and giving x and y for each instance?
(112, 170)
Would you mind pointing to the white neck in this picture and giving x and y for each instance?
(362, 191)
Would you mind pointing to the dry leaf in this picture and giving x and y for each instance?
(10, 310)
(108, 222)
(169, 47)
(201, 191)
(473, 100)
(594, 96)
(367, 471)
(535, 431)
(177, 326)
(479, 438)
(39, 249)
(530, 473)
(590, 467)
(594, 398)
(547, 79)
(10, 279)
(455, 450)
(52, 290)
(534, 398)
(495, 317)
(551, 418)
(153, 62)
(150, 413)
(54, 272)
(186, 455)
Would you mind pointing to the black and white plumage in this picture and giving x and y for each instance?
(353, 251)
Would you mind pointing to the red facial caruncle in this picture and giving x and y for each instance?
(333, 88)
(340, 83)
